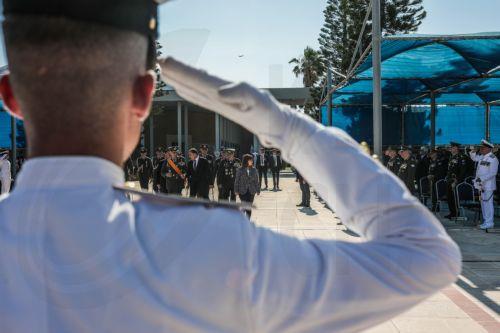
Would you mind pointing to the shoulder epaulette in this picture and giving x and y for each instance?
(174, 200)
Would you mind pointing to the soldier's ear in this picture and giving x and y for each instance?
(142, 94)
(9, 100)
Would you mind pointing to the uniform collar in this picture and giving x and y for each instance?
(68, 171)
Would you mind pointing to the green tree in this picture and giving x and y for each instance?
(343, 24)
(311, 66)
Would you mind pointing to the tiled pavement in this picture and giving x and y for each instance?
(469, 306)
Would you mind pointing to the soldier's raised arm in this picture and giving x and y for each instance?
(316, 285)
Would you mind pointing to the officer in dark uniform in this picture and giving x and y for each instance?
(226, 175)
(211, 161)
(158, 180)
(219, 160)
(457, 170)
(144, 169)
(394, 160)
(423, 161)
(174, 171)
(438, 168)
(407, 168)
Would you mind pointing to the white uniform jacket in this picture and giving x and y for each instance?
(487, 169)
(77, 256)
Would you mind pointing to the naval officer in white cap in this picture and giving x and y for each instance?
(485, 181)
(77, 256)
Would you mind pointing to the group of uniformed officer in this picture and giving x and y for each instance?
(168, 170)
(453, 164)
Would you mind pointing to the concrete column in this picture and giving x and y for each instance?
(256, 144)
(151, 135)
(217, 132)
(186, 129)
(179, 125)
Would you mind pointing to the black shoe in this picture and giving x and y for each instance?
(301, 205)
(307, 205)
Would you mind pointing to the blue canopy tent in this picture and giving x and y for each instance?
(434, 77)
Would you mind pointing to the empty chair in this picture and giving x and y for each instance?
(467, 199)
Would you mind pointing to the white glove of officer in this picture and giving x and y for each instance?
(242, 103)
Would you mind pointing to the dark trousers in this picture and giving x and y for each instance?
(198, 190)
(247, 197)
(450, 196)
(174, 187)
(226, 192)
(262, 174)
(306, 193)
(276, 177)
(144, 182)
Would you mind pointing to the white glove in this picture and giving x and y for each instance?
(242, 103)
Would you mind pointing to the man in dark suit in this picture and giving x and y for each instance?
(199, 174)
(262, 165)
(276, 164)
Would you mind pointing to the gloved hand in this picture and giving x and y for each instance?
(242, 103)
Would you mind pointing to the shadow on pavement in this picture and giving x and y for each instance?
(480, 276)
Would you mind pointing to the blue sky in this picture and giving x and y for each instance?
(268, 33)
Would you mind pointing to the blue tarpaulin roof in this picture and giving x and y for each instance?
(460, 69)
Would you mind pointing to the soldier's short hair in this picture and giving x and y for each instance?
(70, 70)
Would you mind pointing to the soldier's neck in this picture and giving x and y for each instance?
(66, 147)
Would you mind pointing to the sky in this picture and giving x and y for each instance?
(254, 40)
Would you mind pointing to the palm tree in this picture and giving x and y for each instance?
(310, 65)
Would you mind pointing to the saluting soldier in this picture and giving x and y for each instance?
(394, 161)
(457, 170)
(144, 169)
(226, 175)
(174, 171)
(171, 265)
(407, 168)
(485, 181)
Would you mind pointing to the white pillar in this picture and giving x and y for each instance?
(217, 132)
(179, 125)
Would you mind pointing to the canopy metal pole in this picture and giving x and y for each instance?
(433, 119)
(329, 96)
(13, 139)
(487, 121)
(377, 78)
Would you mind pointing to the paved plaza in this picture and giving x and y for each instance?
(469, 306)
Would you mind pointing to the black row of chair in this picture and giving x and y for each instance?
(466, 195)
